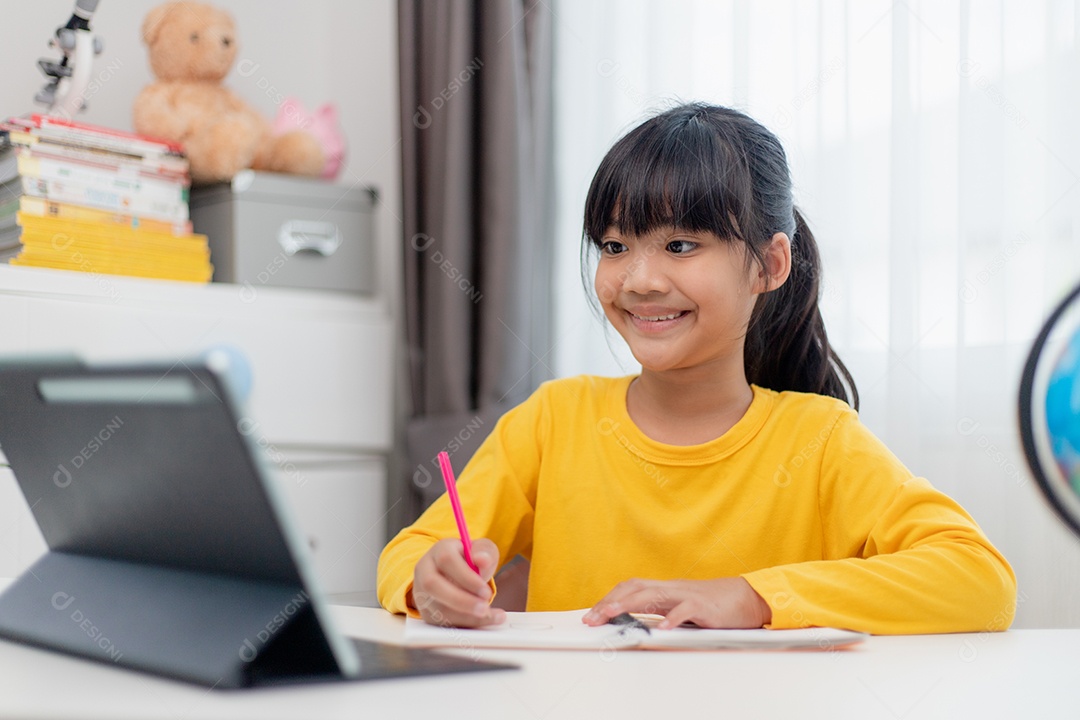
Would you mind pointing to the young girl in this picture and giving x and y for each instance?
(729, 484)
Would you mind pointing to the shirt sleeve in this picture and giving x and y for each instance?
(498, 496)
(900, 556)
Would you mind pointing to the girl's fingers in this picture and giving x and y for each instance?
(441, 602)
(716, 603)
(602, 611)
(651, 596)
(447, 591)
(683, 612)
(449, 595)
(450, 560)
(485, 554)
(651, 600)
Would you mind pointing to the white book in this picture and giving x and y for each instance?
(127, 180)
(104, 199)
(566, 631)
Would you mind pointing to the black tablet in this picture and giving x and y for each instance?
(170, 550)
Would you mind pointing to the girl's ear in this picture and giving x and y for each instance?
(776, 264)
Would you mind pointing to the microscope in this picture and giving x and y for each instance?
(64, 94)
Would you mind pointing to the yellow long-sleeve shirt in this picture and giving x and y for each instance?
(799, 498)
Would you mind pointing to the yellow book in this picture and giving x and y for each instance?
(107, 254)
(121, 266)
(64, 243)
(41, 207)
(198, 274)
(92, 241)
(115, 258)
(74, 229)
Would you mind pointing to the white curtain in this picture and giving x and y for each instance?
(935, 148)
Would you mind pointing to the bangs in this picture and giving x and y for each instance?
(674, 171)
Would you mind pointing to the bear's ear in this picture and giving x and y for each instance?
(155, 21)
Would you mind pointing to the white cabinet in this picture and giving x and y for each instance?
(320, 399)
(341, 507)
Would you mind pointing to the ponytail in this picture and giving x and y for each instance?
(786, 344)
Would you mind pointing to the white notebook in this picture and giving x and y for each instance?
(565, 631)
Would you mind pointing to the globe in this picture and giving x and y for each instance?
(1050, 409)
(1063, 411)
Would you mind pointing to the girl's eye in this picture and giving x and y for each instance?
(681, 247)
(611, 247)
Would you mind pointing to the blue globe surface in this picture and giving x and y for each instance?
(1063, 411)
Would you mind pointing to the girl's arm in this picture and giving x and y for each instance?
(901, 557)
(498, 494)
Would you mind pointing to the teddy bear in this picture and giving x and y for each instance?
(192, 47)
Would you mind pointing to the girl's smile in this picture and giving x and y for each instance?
(651, 319)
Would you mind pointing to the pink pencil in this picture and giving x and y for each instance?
(455, 502)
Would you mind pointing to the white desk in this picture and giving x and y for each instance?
(1022, 673)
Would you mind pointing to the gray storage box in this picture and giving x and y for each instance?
(271, 229)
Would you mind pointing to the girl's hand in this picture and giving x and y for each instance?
(445, 589)
(719, 603)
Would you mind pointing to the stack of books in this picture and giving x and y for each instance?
(79, 197)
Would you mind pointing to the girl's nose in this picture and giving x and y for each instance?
(645, 274)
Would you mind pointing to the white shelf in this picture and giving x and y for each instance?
(320, 361)
(250, 299)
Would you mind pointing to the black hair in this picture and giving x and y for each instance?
(706, 168)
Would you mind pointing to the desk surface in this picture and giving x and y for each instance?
(1021, 673)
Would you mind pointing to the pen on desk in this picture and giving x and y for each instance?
(628, 621)
(455, 503)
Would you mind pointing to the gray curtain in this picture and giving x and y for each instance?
(476, 170)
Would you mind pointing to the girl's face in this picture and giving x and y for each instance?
(679, 299)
